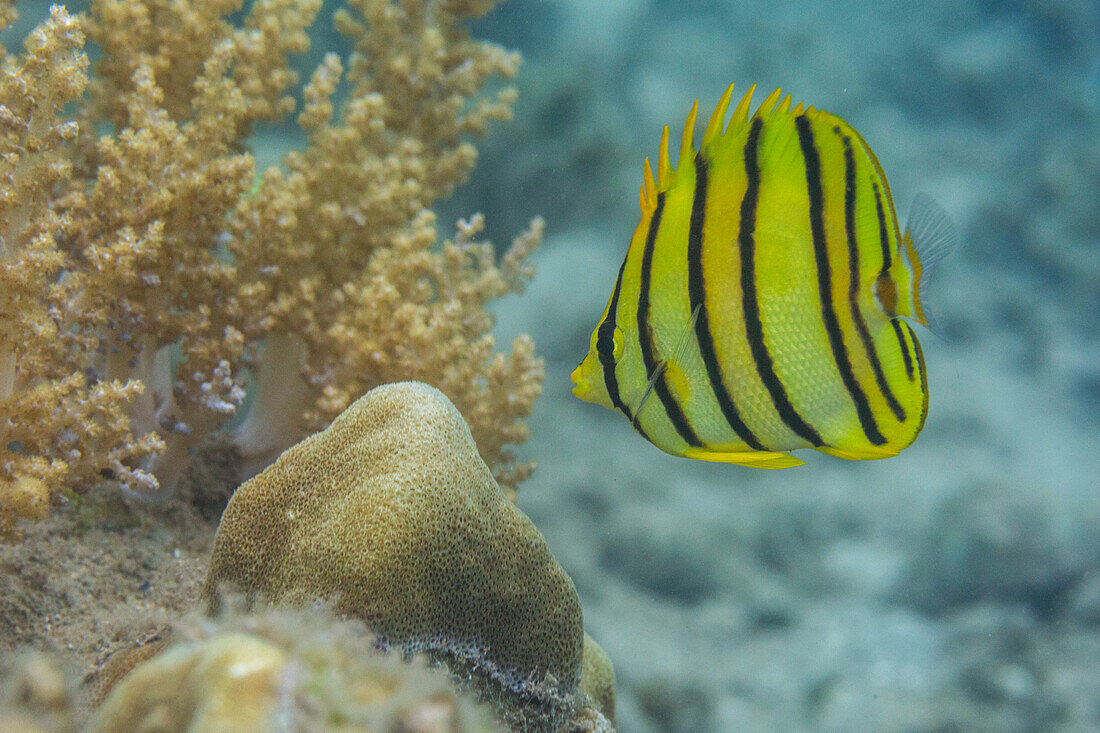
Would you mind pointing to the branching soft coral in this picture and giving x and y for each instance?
(56, 429)
(353, 288)
(150, 275)
(420, 314)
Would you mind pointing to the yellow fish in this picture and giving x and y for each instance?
(760, 300)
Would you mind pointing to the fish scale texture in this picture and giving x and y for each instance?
(392, 515)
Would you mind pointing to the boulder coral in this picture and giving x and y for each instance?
(391, 515)
(598, 679)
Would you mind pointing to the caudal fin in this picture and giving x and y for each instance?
(929, 238)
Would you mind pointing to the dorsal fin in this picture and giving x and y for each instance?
(765, 109)
(714, 126)
(649, 186)
(664, 165)
(741, 112)
(775, 103)
(687, 140)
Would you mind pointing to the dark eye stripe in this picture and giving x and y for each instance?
(605, 344)
(605, 349)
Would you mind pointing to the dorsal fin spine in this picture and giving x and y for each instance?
(714, 126)
(687, 140)
(741, 112)
(765, 109)
(664, 166)
(774, 103)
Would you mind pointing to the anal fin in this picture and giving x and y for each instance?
(754, 459)
(866, 453)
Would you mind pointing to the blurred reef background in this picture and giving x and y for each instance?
(954, 587)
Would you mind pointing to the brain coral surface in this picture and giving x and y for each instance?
(391, 514)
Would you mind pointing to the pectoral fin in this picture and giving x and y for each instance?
(671, 370)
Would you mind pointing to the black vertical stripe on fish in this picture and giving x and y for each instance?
(697, 294)
(923, 373)
(887, 260)
(883, 234)
(886, 292)
(645, 337)
(605, 347)
(904, 348)
(853, 276)
(824, 282)
(754, 329)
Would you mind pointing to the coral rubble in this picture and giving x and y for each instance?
(275, 669)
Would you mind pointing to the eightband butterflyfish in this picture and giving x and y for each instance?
(762, 303)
